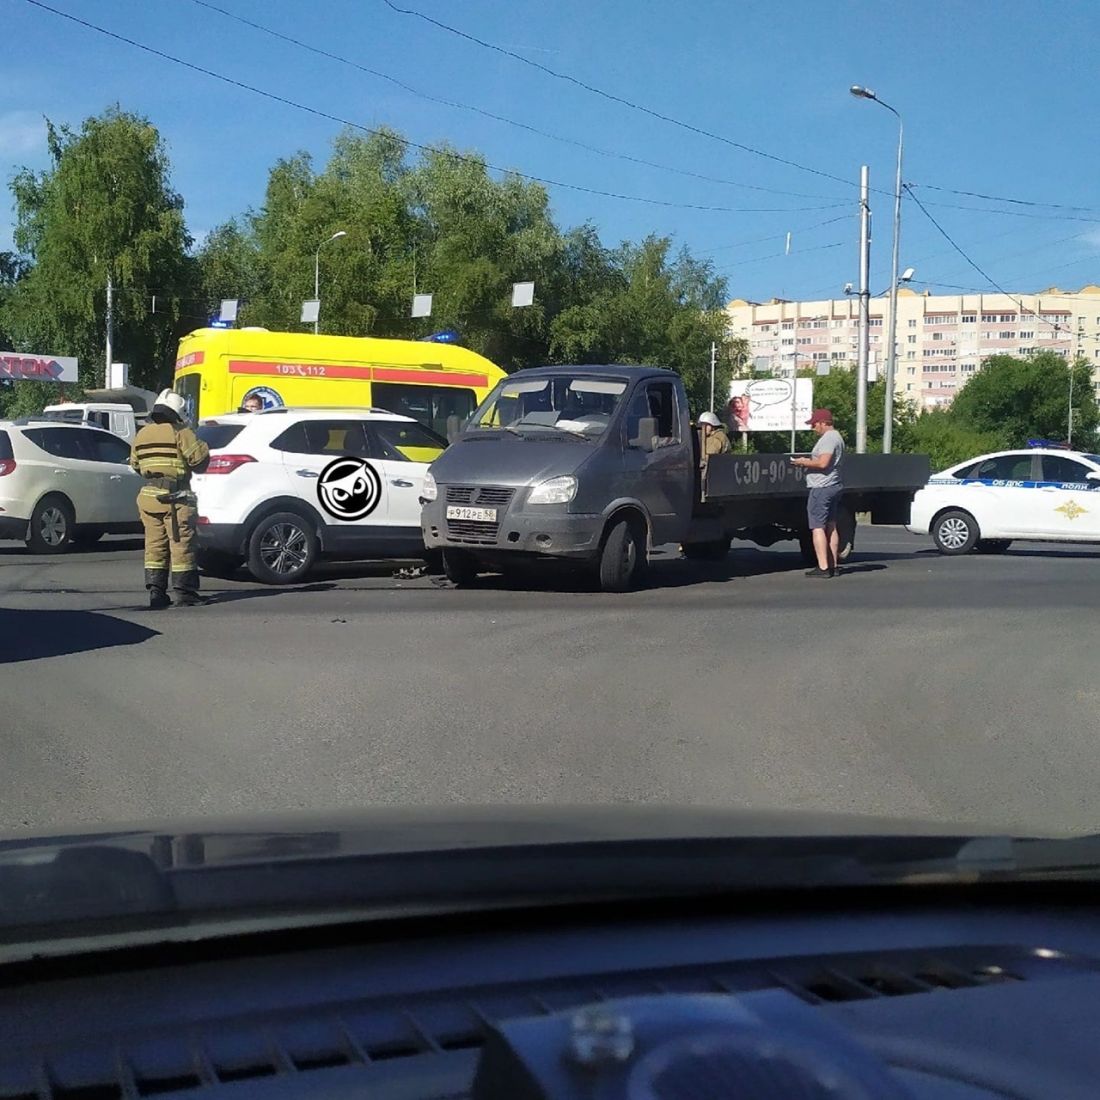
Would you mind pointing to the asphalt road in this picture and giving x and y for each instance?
(914, 685)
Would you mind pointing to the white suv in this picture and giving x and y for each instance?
(63, 484)
(285, 487)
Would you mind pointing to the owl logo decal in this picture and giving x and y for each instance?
(349, 488)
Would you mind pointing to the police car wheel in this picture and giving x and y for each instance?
(282, 548)
(955, 532)
(51, 526)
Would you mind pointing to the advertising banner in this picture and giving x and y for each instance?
(764, 404)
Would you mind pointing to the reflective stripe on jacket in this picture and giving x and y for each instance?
(168, 451)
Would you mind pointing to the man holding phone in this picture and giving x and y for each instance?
(826, 485)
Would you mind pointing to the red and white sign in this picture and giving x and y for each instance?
(37, 368)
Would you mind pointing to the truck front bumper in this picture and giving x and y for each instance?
(545, 532)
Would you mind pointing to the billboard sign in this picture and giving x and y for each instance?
(37, 368)
(764, 404)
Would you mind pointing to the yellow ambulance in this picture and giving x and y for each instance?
(216, 369)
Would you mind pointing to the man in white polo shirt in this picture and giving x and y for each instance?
(826, 485)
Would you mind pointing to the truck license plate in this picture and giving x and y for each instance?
(481, 515)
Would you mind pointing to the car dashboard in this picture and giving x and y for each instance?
(952, 997)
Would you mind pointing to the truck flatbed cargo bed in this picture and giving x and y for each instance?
(739, 476)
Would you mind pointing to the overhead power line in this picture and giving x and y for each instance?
(1007, 213)
(775, 236)
(691, 127)
(317, 112)
(979, 269)
(622, 100)
(1002, 198)
(443, 101)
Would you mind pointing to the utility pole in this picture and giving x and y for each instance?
(794, 398)
(110, 329)
(892, 336)
(864, 309)
(1076, 356)
(713, 365)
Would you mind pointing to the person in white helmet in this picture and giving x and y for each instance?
(715, 440)
(165, 452)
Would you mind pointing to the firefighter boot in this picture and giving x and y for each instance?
(156, 581)
(187, 590)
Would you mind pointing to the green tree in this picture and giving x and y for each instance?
(1012, 400)
(440, 224)
(938, 434)
(103, 208)
(653, 310)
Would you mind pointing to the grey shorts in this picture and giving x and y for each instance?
(822, 504)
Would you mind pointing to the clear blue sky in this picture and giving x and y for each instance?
(998, 96)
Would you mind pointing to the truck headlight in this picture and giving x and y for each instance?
(429, 491)
(558, 490)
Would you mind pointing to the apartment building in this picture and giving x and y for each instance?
(941, 339)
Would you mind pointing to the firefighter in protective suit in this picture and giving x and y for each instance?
(165, 452)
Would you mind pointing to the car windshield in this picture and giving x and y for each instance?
(481, 404)
(577, 405)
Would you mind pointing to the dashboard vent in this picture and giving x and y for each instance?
(859, 978)
(448, 1028)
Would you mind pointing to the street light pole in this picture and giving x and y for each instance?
(891, 347)
(317, 274)
(864, 309)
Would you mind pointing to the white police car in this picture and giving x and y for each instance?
(984, 503)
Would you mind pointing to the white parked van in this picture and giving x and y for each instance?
(117, 418)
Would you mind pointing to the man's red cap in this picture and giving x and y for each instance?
(821, 416)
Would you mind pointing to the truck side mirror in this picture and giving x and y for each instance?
(647, 435)
(454, 426)
(1093, 475)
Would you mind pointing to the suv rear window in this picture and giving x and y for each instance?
(217, 436)
(5, 446)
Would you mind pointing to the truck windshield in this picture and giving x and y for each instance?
(67, 416)
(562, 403)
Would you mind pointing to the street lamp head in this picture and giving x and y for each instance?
(907, 275)
(338, 233)
(862, 93)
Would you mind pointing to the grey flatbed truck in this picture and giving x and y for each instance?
(597, 465)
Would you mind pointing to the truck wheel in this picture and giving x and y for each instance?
(282, 548)
(846, 531)
(955, 532)
(623, 557)
(992, 546)
(459, 567)
(51, 528)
